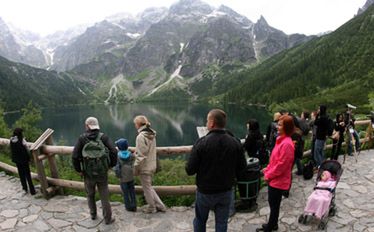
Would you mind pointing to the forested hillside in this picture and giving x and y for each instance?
(333, 69)
(21, 83)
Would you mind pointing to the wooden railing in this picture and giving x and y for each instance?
(43, 149)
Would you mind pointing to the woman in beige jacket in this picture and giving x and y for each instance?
(146, 162)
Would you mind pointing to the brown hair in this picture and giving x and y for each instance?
(288, 124)
(219, 117)
(141, 120)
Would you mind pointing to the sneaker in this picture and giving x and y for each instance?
(149, 210)
(110, 221)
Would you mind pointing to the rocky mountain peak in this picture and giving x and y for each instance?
(364, 7)
(262, 22)
(186, 7)
(153, 14)
(238, 17)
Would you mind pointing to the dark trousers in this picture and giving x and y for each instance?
(219, 203)
(102, 186)
(128, 190)
(25, 177)
(274, 198)
(336, 147)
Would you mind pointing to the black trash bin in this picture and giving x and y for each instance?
(249, 184)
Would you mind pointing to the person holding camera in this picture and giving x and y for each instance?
(349, 121)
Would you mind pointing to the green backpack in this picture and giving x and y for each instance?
(95, 158)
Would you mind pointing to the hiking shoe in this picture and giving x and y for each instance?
(149, 210)
(161, 209)
(110, 221)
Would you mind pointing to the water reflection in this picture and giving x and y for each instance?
(175, 123)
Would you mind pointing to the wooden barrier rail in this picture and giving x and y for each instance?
(43, 149)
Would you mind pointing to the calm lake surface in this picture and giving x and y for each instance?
(175, 123)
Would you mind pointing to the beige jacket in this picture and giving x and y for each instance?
(145, 152)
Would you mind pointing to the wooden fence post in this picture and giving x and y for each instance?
(41, 173)
(36, 148)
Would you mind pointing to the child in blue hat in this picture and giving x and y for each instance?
(124, 171)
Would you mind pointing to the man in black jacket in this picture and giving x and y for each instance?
(101, 181)
(216, 159)
(322, 123)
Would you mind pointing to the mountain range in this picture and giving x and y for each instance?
(334, 69)
(189, 51)
(142, 53)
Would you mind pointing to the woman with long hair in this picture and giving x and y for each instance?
(21, 157)
(278, 173)
(146, 162)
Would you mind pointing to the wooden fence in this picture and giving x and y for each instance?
(43, 150)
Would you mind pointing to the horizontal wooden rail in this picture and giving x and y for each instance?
(162, 151)
(78, 185)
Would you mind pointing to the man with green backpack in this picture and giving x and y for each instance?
(93, 155)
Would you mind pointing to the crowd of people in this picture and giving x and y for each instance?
(217, 159)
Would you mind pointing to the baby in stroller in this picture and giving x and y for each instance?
(319, 201)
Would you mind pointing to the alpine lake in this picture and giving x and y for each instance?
(175, 123)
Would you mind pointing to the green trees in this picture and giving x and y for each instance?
(334, 69)
(30, 116)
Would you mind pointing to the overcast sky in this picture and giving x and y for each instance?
(290, 16)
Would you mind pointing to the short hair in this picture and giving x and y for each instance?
(141, 120)
(306, 114)
(276, 116)
(219, 117)
(288, 124)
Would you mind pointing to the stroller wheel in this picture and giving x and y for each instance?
(332, 212)
(301, 218)
(322, 225)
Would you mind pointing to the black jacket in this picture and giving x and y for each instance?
(91, 135)
(216, 159)
(20, 153)
(322, 123)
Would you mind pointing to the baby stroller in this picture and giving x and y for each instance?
(336, 170)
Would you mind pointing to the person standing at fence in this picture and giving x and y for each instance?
(278, 173)
(93, 155)
(146, 163)
(124, 170)
(21, 157)
(337, 136)
(322, 123)
(216, 159)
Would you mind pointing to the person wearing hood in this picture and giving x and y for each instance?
(124, 171)
(21, 157)
(146, 162)
(92, 179)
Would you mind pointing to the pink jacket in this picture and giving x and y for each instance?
(278, 172)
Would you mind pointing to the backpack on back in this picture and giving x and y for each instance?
(95, 158)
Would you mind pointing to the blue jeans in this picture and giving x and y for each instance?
(357, 144)
(319, 155)
(128, 190)
(219, 203)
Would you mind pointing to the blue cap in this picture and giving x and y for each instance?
(122, 144)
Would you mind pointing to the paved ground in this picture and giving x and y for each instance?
(354, 200)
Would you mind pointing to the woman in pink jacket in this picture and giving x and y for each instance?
(278, 173)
